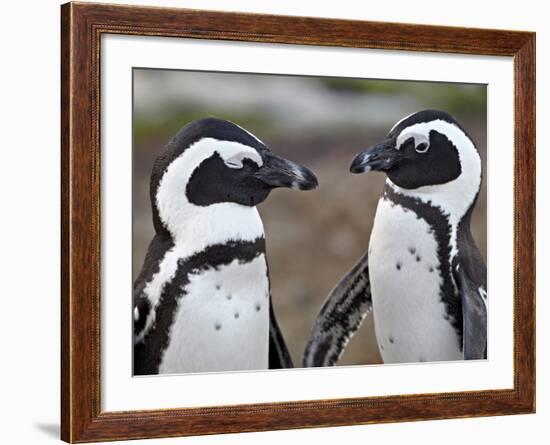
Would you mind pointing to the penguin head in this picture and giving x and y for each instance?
(426, 153)
(213, 161)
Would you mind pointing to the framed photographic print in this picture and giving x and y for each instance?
(275, 222)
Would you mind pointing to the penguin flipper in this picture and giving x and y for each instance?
(474, 314)
(279, 357)
(340, 317)
(145, 362)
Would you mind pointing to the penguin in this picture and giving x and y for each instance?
(422, 276)
(202, 300)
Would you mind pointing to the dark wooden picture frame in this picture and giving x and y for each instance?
(82, 26)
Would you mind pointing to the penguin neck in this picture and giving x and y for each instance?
(455, 216)
(194, 228)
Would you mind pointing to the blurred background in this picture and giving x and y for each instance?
(313, 238)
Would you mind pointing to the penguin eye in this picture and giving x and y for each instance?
(422, 147)
(233, 163)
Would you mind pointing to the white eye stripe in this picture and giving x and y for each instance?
(419, 137)
(234, 154)
(236, 159)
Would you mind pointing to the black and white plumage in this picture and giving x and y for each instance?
(423, 276)
(202, 300)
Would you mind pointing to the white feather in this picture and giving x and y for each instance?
(207, 335)
(406, 303)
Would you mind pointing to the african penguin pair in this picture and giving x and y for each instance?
(423, 276)
(202, 301)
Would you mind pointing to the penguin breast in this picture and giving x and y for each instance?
(222, 320)
(411, 320)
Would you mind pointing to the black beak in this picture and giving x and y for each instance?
(280, 172)
(379, 157)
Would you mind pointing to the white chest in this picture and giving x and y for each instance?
(409, 316)
(222, 321)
